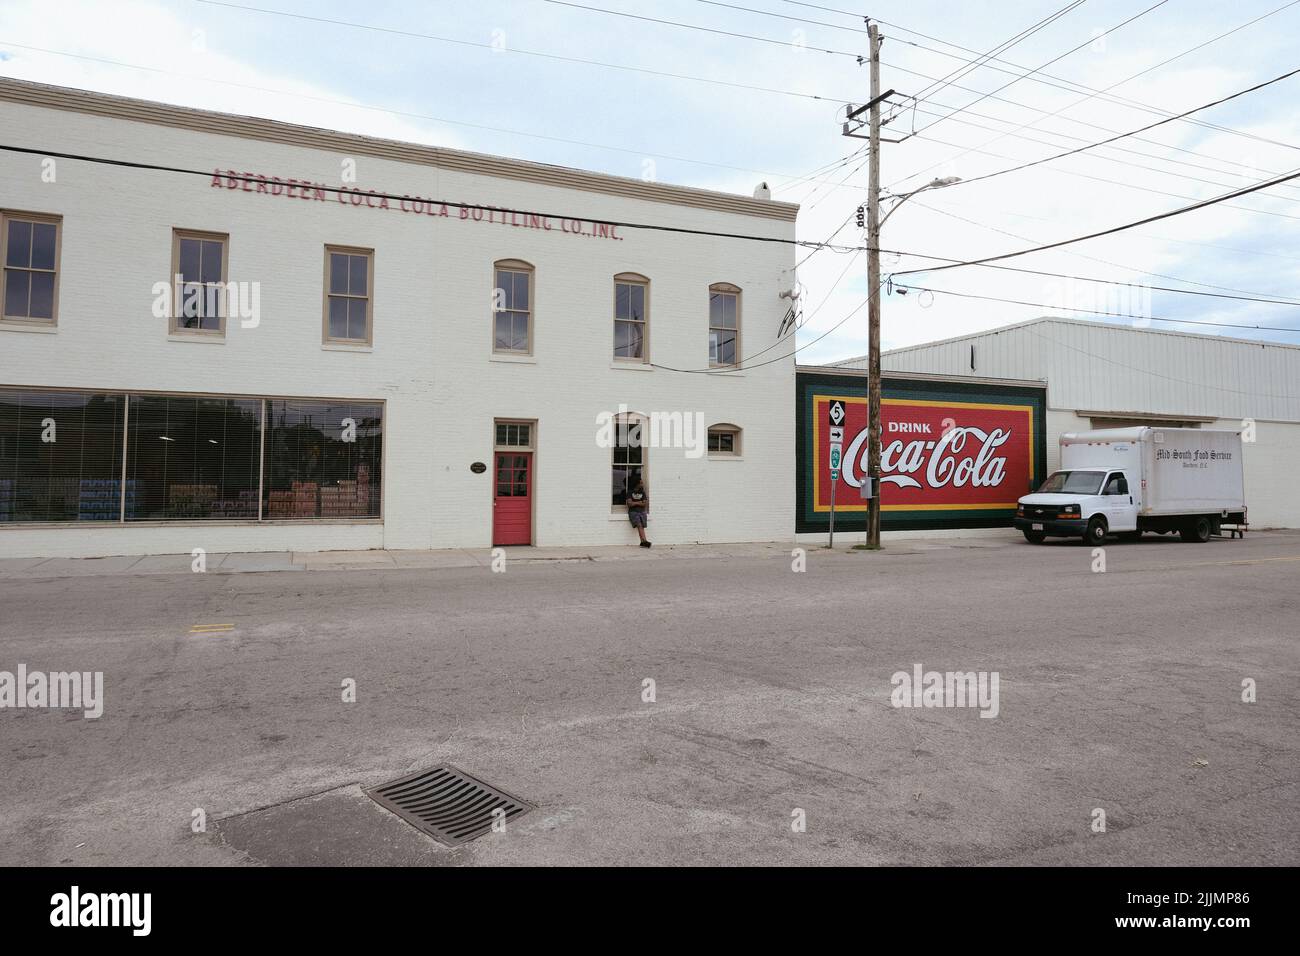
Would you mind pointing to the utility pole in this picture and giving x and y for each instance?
(873, 300)
(874, 221)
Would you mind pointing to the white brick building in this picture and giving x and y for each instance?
(235, 437)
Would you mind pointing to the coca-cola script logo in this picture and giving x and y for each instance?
(933, 455)
(941, 462)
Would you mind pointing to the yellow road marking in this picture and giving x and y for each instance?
(210, 628)
(1216, 564)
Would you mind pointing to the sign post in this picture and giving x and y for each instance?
(835, 414)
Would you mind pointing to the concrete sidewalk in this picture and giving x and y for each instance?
(265, 561)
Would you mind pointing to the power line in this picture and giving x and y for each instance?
(375, 194)
(1131, 285)
(1127, 101)
(979, 61)
(1119, 83)
(1149, 235)
(789, 177)
(522, 52)
(1070, 119)
(1066, 308)
(1253, 174)
(780, 358)
(1091, 40)
(1080, 255)
(1048, 79)
(1128, 185)
(747, 362)
(693, 26)
(1114, 229)
(1112, 159)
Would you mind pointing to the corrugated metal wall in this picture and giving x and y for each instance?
(1096, 367)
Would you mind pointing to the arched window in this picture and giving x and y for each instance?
(629, 460)
(631, 317)
(724, 440)
(512, 307)
(724, 324)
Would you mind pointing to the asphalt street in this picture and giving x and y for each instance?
(1118, 690)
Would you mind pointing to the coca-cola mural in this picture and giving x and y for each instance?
(952, 453)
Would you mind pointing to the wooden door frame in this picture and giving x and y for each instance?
(531, 451)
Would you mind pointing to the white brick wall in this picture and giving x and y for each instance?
(431, 360)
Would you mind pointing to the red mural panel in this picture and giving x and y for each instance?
(933, 455)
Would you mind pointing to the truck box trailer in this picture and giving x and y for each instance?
(1127, 481)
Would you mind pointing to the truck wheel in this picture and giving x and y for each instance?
(1096, 532)
(1035, 537)
(1197, 532)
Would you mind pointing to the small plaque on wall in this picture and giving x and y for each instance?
(478, 467)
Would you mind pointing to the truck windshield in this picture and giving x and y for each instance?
(1073, 483)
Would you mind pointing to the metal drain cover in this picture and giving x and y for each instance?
(448, 804)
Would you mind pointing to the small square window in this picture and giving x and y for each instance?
(724, 442)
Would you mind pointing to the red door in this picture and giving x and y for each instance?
(512, 502)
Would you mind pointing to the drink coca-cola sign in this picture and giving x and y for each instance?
(946, 458)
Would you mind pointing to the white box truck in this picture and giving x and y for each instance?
(1125, 481)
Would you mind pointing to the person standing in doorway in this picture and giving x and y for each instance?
(638, 507)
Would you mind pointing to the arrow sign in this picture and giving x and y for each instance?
(835, 475)
(836, 413)
(837, 435)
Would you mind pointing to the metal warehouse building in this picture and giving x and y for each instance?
(1110, 376)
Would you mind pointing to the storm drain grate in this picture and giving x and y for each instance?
(448, 804)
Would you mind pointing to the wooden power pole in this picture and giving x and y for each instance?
(873, 301)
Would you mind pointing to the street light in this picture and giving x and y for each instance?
(874, 222)
(933, 184)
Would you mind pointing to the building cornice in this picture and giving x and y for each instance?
(274, 131)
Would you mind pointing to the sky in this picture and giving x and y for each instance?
(491, 76)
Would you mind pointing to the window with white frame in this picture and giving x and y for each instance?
(724, 441)
(517, 435)
(29, 254)
(724, 324)
(512, 307)
(631, 317)
(349, 295)
(199, 271)
(629, 458)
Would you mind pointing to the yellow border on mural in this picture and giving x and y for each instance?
(817, 487)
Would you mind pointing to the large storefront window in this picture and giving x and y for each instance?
(323, 459)
(60, 456)
(193, 458)
(187, 457)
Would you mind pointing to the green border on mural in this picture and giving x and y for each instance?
(947, 390)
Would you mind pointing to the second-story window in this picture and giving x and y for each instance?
(349, 295)
(512, 307)
(199, 275)
(724, 324)
(631, 316)
(29, 281)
